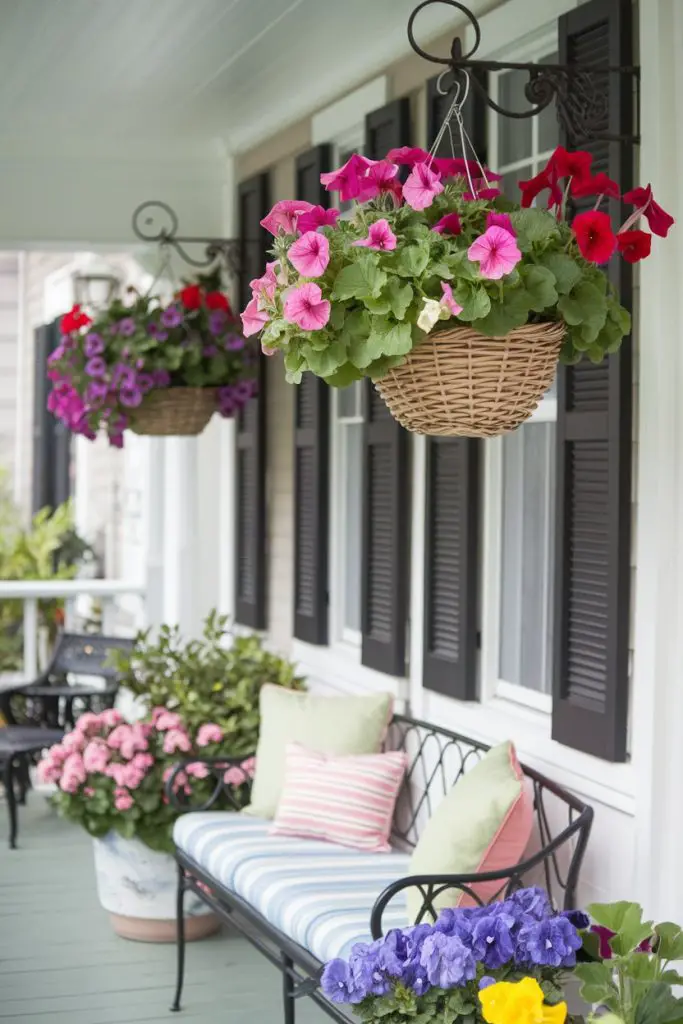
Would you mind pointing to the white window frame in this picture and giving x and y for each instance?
(340, 635)
(492, 685)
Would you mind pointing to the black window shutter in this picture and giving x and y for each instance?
(474, 119)
(451, 571)
(250, 520)
(51, 438)
(386, 477)
(592, 584)
(311, 458)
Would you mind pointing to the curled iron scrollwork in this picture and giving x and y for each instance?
(156, 221)
(578, 91)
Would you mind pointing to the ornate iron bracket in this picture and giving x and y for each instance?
(155, 221)
(578, 90)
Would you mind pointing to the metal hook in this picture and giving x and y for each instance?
(456, 49)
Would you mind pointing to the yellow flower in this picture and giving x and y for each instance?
(519, 1002)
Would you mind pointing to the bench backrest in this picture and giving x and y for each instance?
(437, 759)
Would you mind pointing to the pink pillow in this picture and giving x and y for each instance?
(345, 800)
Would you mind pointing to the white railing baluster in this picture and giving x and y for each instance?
(30, 638)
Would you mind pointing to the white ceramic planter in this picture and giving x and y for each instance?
(137, 887)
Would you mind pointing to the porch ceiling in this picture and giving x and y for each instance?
(172, 70)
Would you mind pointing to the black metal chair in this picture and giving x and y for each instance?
(39, 713)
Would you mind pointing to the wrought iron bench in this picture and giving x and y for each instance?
(436, 760)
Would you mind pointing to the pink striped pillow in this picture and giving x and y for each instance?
(345, 800)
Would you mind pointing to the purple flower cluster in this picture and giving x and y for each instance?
(522, 931)
(234, 397)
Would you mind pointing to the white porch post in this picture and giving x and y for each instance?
(181, 522)
(154, 502)
(657, 742)
(227, 505)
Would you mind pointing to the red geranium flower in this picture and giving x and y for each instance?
(216, 300)
(594, 236)
(191, 296)
(597, 185)
(659, 220)
(547, 178)
(571, 165)
(74, 320)
(634, 245)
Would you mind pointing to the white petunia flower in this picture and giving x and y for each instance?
(430, 315)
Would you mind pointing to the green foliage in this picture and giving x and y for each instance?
(377, 296)
(217, 678)
(49, 549)
(635, 983)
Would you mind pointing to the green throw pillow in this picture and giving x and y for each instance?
(328, 725)
(483, 824)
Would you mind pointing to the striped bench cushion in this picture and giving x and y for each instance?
(318, 894)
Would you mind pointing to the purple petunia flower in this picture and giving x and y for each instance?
(96, 367)
(209, 351)
(127, 326)
(234, 343)
(123, 376)
(145, 382)
(94, 345)
(492, 940)
(116, 439)
(447, 960)
(162, 378)
(96, 392)
(171, 317)
(551, 943)
(217, 321)
(155, 331)
(130, 397)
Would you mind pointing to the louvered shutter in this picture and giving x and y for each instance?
(51, 438)
(250, 523)
(592, 584)
(386, 476)
(451, 571)
(311, 458)
(474, 119)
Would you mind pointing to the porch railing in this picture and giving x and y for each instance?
(33, 591)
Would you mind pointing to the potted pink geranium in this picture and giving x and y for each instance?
(111, 777)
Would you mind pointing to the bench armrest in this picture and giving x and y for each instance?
(224, 777)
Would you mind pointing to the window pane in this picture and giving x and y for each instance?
(509, 183)
(548, 130)
(349, 401)
(514, 136)
(526, 557)
(353, 504)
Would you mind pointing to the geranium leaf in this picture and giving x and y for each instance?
(412, 259)
(475, 301)
(507, 315)
(385, 339)
(344, 376)
(625, 919)
(585, 304)
(658, 1005)
(325, 362)
(566, 270)
(379, 306)
(670, 937)
(596, 984)
(539, 284)
(360, 280)
(399, 296)
(533, 226)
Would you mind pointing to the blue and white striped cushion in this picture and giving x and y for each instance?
(318, 894)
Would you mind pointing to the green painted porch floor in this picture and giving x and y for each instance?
(60, 963)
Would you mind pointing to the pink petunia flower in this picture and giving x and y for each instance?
(117, 772)
(284, 215)
(177, 740)
(197, 769)
(89, 723)
(421, 186)
(379, 178)
(49, 770)
(481, 193)
(496, 252)
(74, 741)
(305, 307)
(347, 179)
(380, 236)
(408, 156)
(142, 762)
(253, 318)
(448, 302)
(111, 718)
(123, 801)
(209, 733)
(449, 167)
(132, 776)
(263, 288)
(310, 254)
(448, 225)
(500, 220)
(318, 217)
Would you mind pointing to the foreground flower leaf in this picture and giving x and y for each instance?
(359, 280)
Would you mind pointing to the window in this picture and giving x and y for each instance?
(521, 466)
(346, 518)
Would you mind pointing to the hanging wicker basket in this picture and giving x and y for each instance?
(174, 412)
(461, 383)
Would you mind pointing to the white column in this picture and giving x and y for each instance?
(181, 525)
(228, 507)
(154, 501)
(657, 712)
